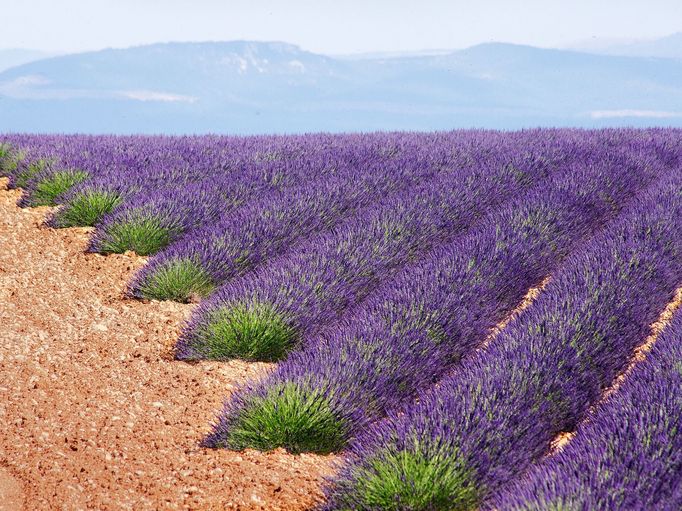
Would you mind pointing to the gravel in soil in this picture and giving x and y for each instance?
(95, 413)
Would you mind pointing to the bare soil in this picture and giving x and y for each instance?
(95, 413)
(11, 493)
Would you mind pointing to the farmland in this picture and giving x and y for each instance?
(366, 321)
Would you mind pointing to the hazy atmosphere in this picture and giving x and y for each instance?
(332, 27)
(241, 67)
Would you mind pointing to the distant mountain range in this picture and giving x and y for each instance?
(272, 87)
(666, 47)
(15, 57)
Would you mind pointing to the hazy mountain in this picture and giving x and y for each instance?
(374, 55)
(665, 47)
(250, 87)
(17, 56)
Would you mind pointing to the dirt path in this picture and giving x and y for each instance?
(94, 413)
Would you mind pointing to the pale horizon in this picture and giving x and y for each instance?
(330, 28)
(588, 45)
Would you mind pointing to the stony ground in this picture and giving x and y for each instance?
(94, 411)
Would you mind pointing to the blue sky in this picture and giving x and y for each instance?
(332, 27)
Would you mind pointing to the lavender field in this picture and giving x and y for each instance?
(438, 309)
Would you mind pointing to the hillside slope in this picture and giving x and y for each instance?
(248, 87)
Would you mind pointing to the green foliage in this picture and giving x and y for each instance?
(254, 331)
(87, 209)
(300, 420)
(52, 187)
(143, 236)
(179, 280)
(413, 479)
(22, 178)
(9, 159)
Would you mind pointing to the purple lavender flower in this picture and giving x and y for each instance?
(414, 329)
(266, 312)
(627, 454)
(491, 419)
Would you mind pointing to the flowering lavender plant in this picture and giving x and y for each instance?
(491, 419)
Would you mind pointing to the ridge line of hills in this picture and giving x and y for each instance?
(275, 87)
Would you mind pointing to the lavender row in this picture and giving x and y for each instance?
(9, 158)
(115, 167)
(149, 182)
(105, 159)
(67, 161)
(86, 153)
(263, 314)
(321, 187)
(415, 329)
(486, 423)
(319, 163)
(24, 157)
(627, 454)
(121, 168)
(48, 167)
(240, 241)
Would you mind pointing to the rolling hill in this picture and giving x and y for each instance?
(265, 87)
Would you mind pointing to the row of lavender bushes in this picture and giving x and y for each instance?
(499, 412)
(35, 156)
(417, 327)
(137, 195)
(24, 156)
(51, 168)
(246, 238)
(627, 454)
(171, 212)
(77, 160)
(141, 192)
(144, 192)
(263, 314)
(159, 187)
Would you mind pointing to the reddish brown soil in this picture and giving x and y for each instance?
(11, 493)
(95, 414)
